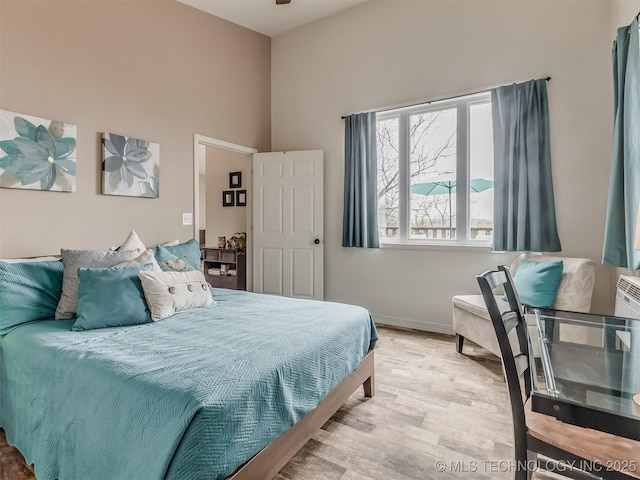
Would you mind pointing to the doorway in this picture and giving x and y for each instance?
(222, 194)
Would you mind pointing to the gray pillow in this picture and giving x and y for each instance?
(74, 259)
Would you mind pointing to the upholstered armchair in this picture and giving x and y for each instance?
(471, 319)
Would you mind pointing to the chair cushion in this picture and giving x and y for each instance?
(471, 320)
(574, 293)
(475, 305)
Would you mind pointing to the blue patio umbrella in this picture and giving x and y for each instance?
(446, 185)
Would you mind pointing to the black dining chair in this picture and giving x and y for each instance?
(527, 440)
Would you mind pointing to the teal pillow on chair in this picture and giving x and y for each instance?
(111, 297)
(537, 283)
(190, 250)
(28, 291)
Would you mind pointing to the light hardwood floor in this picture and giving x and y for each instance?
(431, 405)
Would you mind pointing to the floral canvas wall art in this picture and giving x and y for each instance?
(130, 166)
(36, 153)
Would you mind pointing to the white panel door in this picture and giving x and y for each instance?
(288, 224)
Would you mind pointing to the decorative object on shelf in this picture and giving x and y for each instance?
(241, 198)
(238, 242)
(228, 198)
(235, 180)
(222, 241)
(224, 268)
(36, 153)
(130, 166)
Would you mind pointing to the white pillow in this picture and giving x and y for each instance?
(172, 243)
(168, 293)
(144, 258)
(133, 242)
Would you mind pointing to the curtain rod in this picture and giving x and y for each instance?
(429, 102)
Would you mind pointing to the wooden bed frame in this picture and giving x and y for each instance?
(269, 461)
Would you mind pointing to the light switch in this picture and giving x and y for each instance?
(187, 219)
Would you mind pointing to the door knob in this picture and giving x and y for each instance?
(317, 241)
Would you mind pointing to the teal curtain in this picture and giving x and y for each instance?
(360, 218)
(624, 184)
(524, 207)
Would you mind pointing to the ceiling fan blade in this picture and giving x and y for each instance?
(282, 2)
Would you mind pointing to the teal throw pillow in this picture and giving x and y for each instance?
(111, 297)
(28, 291)
(190, 250)
(537, 282)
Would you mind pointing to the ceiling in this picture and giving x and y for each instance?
(265, 17)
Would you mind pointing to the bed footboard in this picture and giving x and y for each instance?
(270, 460)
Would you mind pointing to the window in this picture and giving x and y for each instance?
(435, 172)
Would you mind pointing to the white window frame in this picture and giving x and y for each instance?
(463, 106)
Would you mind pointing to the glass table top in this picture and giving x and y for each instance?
(592, 361)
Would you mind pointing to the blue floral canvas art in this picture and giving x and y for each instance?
(130, 166)
(36, 153)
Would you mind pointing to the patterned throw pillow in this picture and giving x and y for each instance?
(190, 250)
(177, 265)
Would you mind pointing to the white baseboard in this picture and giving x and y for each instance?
(410, 323)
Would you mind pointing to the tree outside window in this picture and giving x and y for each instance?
(449, 143)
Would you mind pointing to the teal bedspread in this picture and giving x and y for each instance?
(192, 396)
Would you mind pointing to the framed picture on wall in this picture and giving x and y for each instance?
(228, 198)
(130, 166)
(37, 153)
(235, 180)
(241, 198)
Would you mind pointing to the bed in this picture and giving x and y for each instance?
(228, 391)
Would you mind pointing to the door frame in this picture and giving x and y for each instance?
(233, 147)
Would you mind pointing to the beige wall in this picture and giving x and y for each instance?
(157, 70)
(224, 221)
(622, 13)
(389, 53)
